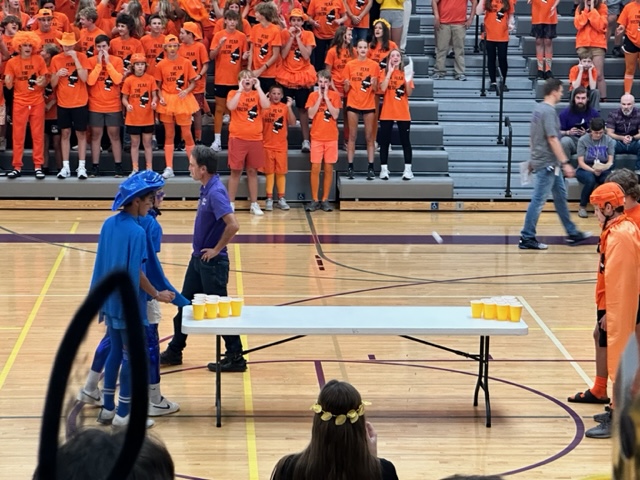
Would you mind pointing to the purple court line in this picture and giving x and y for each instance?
(320, 373)
(371, 356)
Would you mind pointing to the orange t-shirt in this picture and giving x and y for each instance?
(229, 58)
(356, 7)
(337, 62)
(24, 19)
(8, 41)
(87, 41)
(143, 3)
(630, 18)
(50, 37)
(66, 8)
(71, 91)
(294, 61)
(324, 128)
(140, 92)
(395, 102)
(263, 40)
(105, 21)
(541, 12)
(634, 214)
(125, 48)
(219, 26)
(274, 131)
(153, 51)
(104, 94)
(361, 74)
(174, 75)
(584, 81)
(496, 21)
(50, 94)
(325, 12)
(380, 55)
(197, 55)
(24, 73)
(246, 119)
(60, 22)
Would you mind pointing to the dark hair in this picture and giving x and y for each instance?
(386, 37)
(628, 180)
(278, 86)
(335, 451)
(596, 124)
(155, 16)
(550, 86)
(44, 2)
(581, 5)
(11, 19)
(51, 48)
(102, 38)
(126, 19)
(338, 41)
(205, 157)
(579, 91)
(268, 10)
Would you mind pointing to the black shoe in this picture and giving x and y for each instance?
(198, 142)
(540, 75)
(505, 88)
(451, 54)
(493, 87)
(181, 146)
(548, 74)
(14, 174)
(39, 174)
(350, 172)
(312, 206)
(531, 244)
(577, 239)
(169, 357)
(119, 172)
(233, 363)
(617, 52)
(95, 171)
(370, 173)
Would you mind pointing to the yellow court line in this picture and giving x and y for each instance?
(252, 449)
(34, 311)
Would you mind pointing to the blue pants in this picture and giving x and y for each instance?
(589, 182)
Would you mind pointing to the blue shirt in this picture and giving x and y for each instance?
(213, 205)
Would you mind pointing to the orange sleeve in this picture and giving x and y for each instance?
(94, 72)
(573, 74)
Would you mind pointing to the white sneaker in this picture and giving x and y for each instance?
(90, 398)
(282, 204)
(384, 172)
(119, 422)
(133, 172)
(255, 209)
(64, 173)
(168, 173)
(233, 206)
(105, 417)
(306, 146)
(268, 205)
(216, 146)
(226, 119)
(82, 173)
(75, 148)
(165, 407)
(407, 174)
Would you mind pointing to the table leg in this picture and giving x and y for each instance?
(483, 378)
(480, 373)
(218, 385)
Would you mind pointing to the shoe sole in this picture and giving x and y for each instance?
(162, 413)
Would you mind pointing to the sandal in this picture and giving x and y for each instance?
(39, 174)
(587, 397)
(14, 174)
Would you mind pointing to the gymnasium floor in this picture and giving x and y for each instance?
(421, 397)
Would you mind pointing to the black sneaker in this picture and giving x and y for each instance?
(370, 173)
(505, 88)
(234, 363)
(119, 172)
(312, 206)
(548, 74)
(39, 174)
(14, 174)
(617, 52)
(451, 54)
(326, 206)
(493, 87)
(540, 75)
(198, 142)
(531, 244)
(577, 239)
(350, 172)
(181, 146)
(169, 358)
(95, 171)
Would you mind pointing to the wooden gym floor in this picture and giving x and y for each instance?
(421, 397)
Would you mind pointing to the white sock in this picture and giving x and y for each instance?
(233, 206)
(81, 164)
(218, 137)
(65, 164)
(155, 396)
(92, 381)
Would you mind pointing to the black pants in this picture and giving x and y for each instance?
(320, 53)
(384, 139)
(501, 49)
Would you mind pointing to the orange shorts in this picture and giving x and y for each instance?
(327, 151)
(245, 154)
(181, 119)
(275, 161)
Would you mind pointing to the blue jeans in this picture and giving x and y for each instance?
(358, 34)
(547, 182)
(632, 148)
(589, 182)
(210, 277)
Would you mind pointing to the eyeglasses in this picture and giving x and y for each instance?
(160, 195)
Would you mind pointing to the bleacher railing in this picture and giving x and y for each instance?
(507, 123)
(499, 91)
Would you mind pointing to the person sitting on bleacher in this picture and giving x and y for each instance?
(628, 25)
(623, 126)
(595, 159)
(585, 74)
(574, 121)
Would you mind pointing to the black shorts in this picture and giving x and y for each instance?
(266, 83)
(299, 95)
(361, 112)
(544, 30)
(77, 117)
(136, 130)
(51, 127)
(602, 340)
(222, 91)
(629, 47)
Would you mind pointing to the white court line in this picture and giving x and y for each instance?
(556, 342)
(467, 297)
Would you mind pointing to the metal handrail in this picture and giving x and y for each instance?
(507, 123)
(476, 47)
(501, 109)
(483, 90)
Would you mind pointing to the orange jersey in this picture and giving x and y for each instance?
(630, 18)
(294, 61)
(8, 41)
(229, 58)
(324, 128)
(153, 50)
(197, 55)
(361, 74)
(496, 21)
(584, 81)
(591, 27)
(274, 131)
(246, 119)
(336, 62)
(66, 8)
(395, 102)
(104, 85)
(24, 73)
(125, 48)
(70, 91)
(634, 214)
(174, 75)
(356, 7)
(284, 8)
(325, 12)
(140, 93)
(87, 41)
(105, 21)
(263, 40)
(49, 95)
(379, 54)
(60, 22)
(541, 12)
(50, 37)
(219, 26)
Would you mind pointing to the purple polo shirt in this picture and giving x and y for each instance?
(212, 206)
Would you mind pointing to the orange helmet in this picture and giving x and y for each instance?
(610, 193)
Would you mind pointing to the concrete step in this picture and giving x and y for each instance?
(562, 47)
(564, 8)
(485, 130)
(475, 83)
(565, 26)
(614, 67)
(615, 90)
(420, 188)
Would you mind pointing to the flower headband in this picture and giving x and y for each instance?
(382, 20)
(352, 415)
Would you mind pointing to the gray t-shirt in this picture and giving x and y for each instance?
(544, 123)
(595, 150)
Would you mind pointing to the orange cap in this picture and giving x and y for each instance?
(297, 12)
(44, 13)
(138, 58)
(609, 192)
(68, 39)
(193, 29)
(171, 39)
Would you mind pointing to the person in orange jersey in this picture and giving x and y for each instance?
(591, 20)
(193, 50)
(628, 180)
(617, 285)
(89, 31)
(14, 7)
(285, 7)
(45, 31)
(358, 17)
(51, 129)
(26, 74)
(325, 16)
(276, 120)
(379, 48)
(125, 44)
(9, 26)
(629, 25)
(229, 48)
(499, 21)
(246, 150)
(324, 108)
(106, 73)
(176, 103)
(296, 73)
(242, 25)
(360, 84)
(153, 42)
(544, 19)
(140, 99)
(340, 53)
(265, 42)
(60, 21)
(69, 73)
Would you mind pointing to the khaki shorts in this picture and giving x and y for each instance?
(3, 114)
(594, 51)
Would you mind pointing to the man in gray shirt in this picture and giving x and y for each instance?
(547, 160)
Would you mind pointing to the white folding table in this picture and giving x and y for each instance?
(405, 322)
